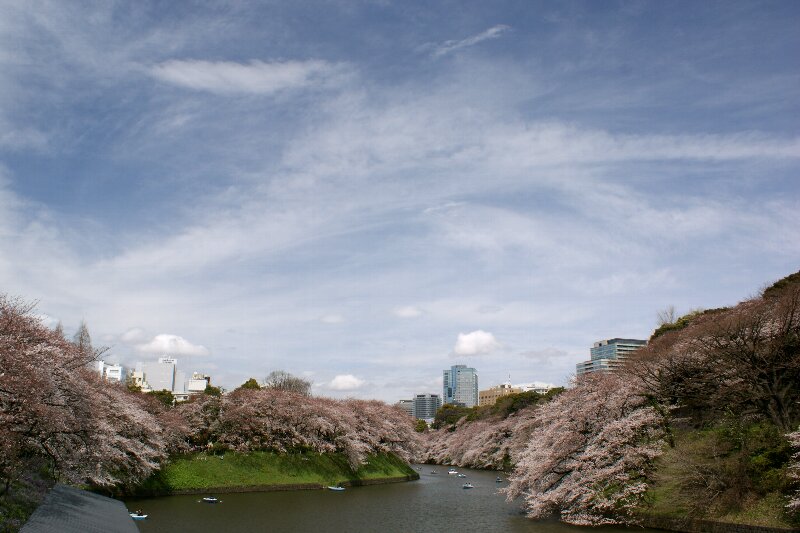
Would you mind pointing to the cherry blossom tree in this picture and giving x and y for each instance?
(794, 470)
(55, 410)
(591, 454)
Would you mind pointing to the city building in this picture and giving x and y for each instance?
(109, 372)
(460, 386)
(492, 394)
(606, 355)
(537, 387)
(198, 383)
(425, 406)
(407, 406)
(164, 375)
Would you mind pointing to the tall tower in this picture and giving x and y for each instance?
(460, 386)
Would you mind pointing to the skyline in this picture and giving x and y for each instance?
(365, 193)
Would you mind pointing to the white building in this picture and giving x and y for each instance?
(198, 383)
(109, 372)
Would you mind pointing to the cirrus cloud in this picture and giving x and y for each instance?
(172, 345)
(255, 77)
(477, 342)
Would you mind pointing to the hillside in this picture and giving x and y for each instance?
(701, 424)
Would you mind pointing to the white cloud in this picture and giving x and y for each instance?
(478, 342)
(172, 345)
(332, 319)
(450, 46)
(255, 77)
(408, 311)
(345, 382)
(133, 336)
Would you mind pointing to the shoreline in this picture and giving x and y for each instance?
(275, 487)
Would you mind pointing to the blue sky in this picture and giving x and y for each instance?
(365, 193)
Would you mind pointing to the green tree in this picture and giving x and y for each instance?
(163, 396)
(250, 384)
(212, 391)
(421, 426)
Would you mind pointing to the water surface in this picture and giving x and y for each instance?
(436, 502)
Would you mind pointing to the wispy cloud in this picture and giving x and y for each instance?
(255, 77)
(451, 46)
(408, 311)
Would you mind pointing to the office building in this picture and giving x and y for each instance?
(492, 394)
(407, 406)
(606, 355)
(460, 386)
(109, 372)
(426, 405)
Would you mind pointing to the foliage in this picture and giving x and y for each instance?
(449, 414)
(212, 391)
(732, 471)
(165, 397)
(251, 384)
(421, 426)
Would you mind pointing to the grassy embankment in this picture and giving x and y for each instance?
(235, 472)
(717, 474)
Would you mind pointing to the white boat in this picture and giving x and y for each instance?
(462, 475)
(337, 489)
(210, 499)
(138, 516)
(467, 486)
(498, 480)
(452, 471)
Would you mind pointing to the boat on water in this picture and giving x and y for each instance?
(467, 486)
(498, 480)
(137, 515)
(337, 489)
(434, 472)
(210, 499)
(462, 475)
(452, 471)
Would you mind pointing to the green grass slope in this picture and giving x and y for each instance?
(265, 470)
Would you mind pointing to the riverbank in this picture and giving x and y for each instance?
(265, 471)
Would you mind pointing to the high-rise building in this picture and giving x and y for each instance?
(608, 354)
(159, 375)
(426, 405)
(460, 386)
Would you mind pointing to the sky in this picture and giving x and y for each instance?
(364, 193)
